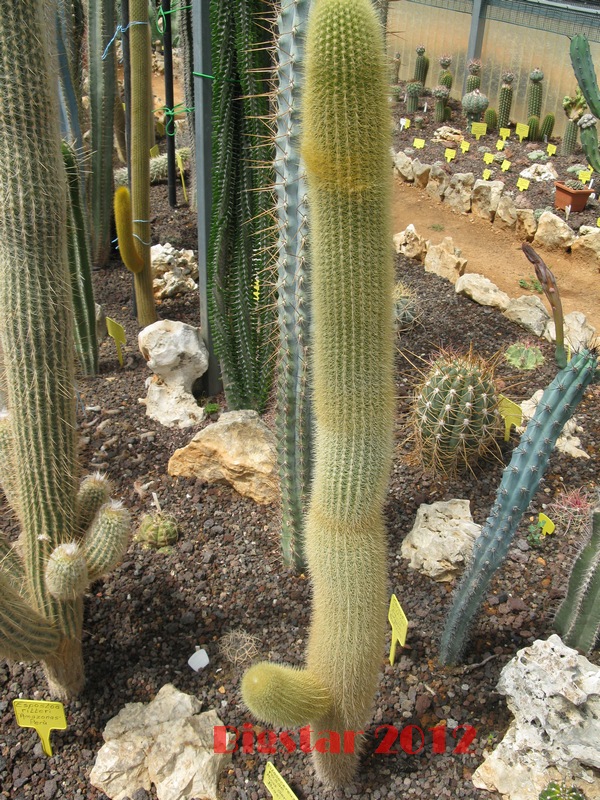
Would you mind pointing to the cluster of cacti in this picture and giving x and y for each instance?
(70, 29)
(520, 481)
(421, 65)
(157, 530)
(240, 261)
(346, 140)
(560, 791)
(547, 127)
(573, 183)
(445, 77)
(68, 537)
(534, 93)
(441, 94)
(490, 118)
(574, 107)
(407, 309)
(474, 104)
(505, 100)
(583, 66)
(413, 90)
(158, 167)
(474, 79)
(455, 417)
(294, 417)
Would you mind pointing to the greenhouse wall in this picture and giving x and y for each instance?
(516, 35)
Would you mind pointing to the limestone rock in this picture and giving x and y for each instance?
(578, 332)
(539, 172)
(441, 539)
(437, 183)
(568, 442)
(168, 742)
(526, 224)
(239, 449)
(485, 198)
(174, 271)
(529, 312)
(410, 244)
(481, 290)
(553, 233)
(445, 260)
(448, 134)
(458, 192)
(554, 695)
(588, 244)
(506, 213)
(403, 165)
(177, 355)
(421, 173)
(101, 329)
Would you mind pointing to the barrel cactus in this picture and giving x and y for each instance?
(441, 94)
(414, 90)
(560, 791)
(505, 100)
(455, 417)
(407, 309)
(534, 93)
(157, 530)
(474, 79)
(474, 104)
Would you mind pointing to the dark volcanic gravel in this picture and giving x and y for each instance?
(143, 622)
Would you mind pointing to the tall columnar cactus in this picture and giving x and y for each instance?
(101, 24)
(534, 93)
(547, 127)
(445, 76)
(533, 123)
(505, 100)
(474, 104)
(520, 481)
(581, 59)
(578, 618)
(589, 140)
(421, 65)
(574, 107)
(441, 94)
(474, 79)
(414, 90)
(186, 48)
(346, 140)
(294, 417)
(490, 117)
(41, 588)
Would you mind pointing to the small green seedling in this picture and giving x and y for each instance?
(437, 226)
(560, 791)
(211, 408)
(531, 284)
(535, 536)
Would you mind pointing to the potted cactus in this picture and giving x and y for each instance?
(571, 193)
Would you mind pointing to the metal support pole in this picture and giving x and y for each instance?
(169, 102)
(475, 34)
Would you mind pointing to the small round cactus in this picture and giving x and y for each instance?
(587, 121)
(575, 184)
(445, 61)
(524, 355)
(508, 77)
(414, 90)
(420, 49)
(474, 104)
(474, 66)
(440, 92)
(66, 572)
(474, 80)
(157, 530)
(560, 791)
(406, 308)
(536, 75)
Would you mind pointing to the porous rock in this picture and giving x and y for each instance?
(526, 224)
(437, 183)
(174, 271)
(441, 539)
(529, 312)
(485, 198)
(403, 165)
(410, 244)
(238, 449)
(553, 233)
(506, 213)
(168, 742)
(421, 173)
(445, 260)
(481, 290)
(539, 172)
(588, 244)
(553, 693)
(577, 331)
(458, 192)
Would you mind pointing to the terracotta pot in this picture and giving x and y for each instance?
(576, 198)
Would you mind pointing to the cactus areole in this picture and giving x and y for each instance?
(345, 145)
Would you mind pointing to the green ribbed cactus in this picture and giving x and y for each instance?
(445, 76)
(534, 129)
(581, 59)
(520, 481)
(158, 167)
(455, 415)
(41, 602)
(490, 118)
(421, 65)
(578, 618)
(346, 141)
(186, 49)
(569, 139)
(80, 269)
(474, 104)
(414, 90)
(560, 791)
(505, 100)
(588, 133)
(441, 94)
(294, 417)
(157, 530)
(474, 79)
(547, 127)
(574, 107)
(534, 93)
(407, 309)
(101, 24)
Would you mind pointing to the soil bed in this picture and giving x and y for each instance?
(225, 573)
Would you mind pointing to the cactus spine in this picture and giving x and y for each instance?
(346, 139)
(505, 100)
(421, 65)
(474, 79)
(534, 93)
(293, 398)
(578, 618)
(520, 481)
(39, 448)
(547, 127)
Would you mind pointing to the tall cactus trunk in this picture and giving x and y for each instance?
(346, 140)
(187, 74)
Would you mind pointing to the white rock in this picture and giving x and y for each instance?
(238, 449)
(410, 244)
(168, 743)
(578, 331)
(174, 271)
(421, 172)
(554, 695)
(568, 442)
(506, 213)
(447, 134)
(588, 244)
(485, 198)
(526, 224)
(445, 260)
(177, 355)
(458, 192)
(481, 290)
(529, 312)
(403, 165)
(441, 539)
(437, 183)
(101, 329)
(539, 172)
(553, 233)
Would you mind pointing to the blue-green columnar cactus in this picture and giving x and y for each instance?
(345, 146)
(474, 104)
(520, 481)
(293, 276)
(41, 587)
(581, 59)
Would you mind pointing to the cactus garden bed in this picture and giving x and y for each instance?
(225, 573)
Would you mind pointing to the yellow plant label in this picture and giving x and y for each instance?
(465, 146)
(488, 158)
(407, 123)
(478, 129)
(546, 524)
(116, 332)
(42, 715)
(551, 149)
(504, 133)
(276, 784)
(486, 174)
(522, 184)
(154, 151)
(418, 144)
(399, 623)
(511, 413)
(181, 175)
(500, 144)
(449, 154)
(598, 222)
(505, 166)
(584, 175)
(522, 131)
(160, 128)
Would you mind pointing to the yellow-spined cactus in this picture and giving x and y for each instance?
(345, 143)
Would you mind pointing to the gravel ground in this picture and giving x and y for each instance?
(225, 573)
